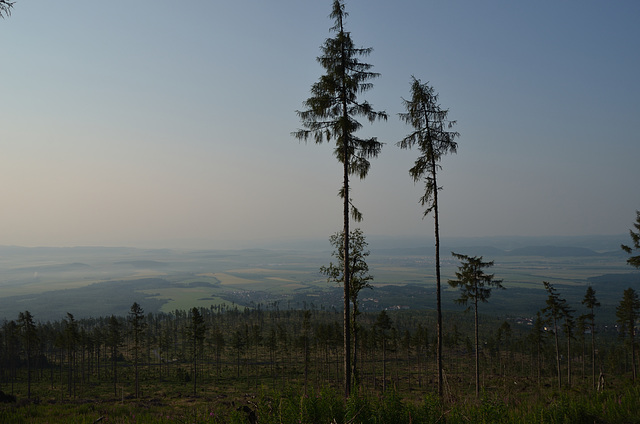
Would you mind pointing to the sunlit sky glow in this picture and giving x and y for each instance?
(158, 123)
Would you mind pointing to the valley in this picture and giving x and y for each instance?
(100, 281)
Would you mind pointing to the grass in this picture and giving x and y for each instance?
(291, 405)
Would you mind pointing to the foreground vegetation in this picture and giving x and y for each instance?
(327, 406)
(285, 366)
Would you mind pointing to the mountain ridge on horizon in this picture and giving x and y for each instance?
(597, 243)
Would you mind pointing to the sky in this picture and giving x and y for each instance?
(155, 123)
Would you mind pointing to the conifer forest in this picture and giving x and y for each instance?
(224, 364)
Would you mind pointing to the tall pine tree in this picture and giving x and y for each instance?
(197, 329)
(359, 279)
(556, 310)
(431, 134)
(136, 320)
(591, 302)
(114, 341)
(635, 238)
(627, 314)
(330, 115)
(29, 335)
(475, 286)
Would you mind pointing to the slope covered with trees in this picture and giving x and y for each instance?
(212, 354)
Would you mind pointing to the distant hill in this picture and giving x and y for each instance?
(76, 266)
(144, 264)
(492, 252)
(378, 242)
(552, 251)
(95, 300)
(616, 281)
(99, 281)
(487, 252)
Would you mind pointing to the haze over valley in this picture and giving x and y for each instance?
(100, 281)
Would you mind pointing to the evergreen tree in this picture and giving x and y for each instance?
(475, 286)
(197, 330)
(218, 339)
(537, 338)
(591, 303)
(99, 339)
(5, 7)
(330, 114)
(556, 310)
(305, 342)
(11, 347)
(137, 326)
(568, 327)
(627, 313)
(503, 331)
(430, 133)
(29, 339)
(114, 340)
(382, 325)
(358, 279)
(238, 341)
(71, 338)
(635, 238)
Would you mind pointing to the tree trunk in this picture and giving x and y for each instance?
(306, 363)
(539, 362)
(354, 372)
(137, 375)
(593, 355)
(28, 372)
(633, 349)
(195, 369)
(347, 316)
(555, 333)
(568, 360)
(438, 290)
(114, 365)
(477, 349)
(583, 357)
(384, 364)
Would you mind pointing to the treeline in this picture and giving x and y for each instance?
(222, 350)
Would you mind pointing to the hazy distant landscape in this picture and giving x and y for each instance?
(100, 281)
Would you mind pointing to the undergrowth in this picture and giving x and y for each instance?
(327, 406)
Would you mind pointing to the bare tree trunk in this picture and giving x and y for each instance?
(593, 356)
(114, 367)
(354, 372)
(347, 296)
(195, 369)
(633, 352)
(568, 361)
(438, 289)
(555, 334)
(539, 364)
(477, 350)
(384, 364)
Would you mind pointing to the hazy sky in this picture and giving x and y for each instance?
(162, 123)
